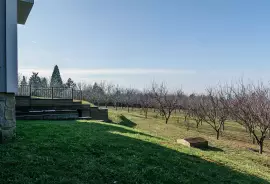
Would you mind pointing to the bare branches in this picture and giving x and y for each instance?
(146, 101)
(213, 111)
(108, 89)
(167, 102)
(249, 105)
(116, 96)
(194, 109)
(129, 95)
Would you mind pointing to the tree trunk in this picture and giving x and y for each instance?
(223, 127)
(167, 117)
(217, 134)
(146, 114)
(197, 123)
(261, 147)
(128, 108)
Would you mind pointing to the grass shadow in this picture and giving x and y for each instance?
(124, 121)
(103, 153)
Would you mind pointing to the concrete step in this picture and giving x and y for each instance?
(29, 117)
(44, 112)
(47, 116)
(84, 118)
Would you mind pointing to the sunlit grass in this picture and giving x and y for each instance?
(84, 102)
(235, 141)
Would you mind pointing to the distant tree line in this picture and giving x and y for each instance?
(55, 80)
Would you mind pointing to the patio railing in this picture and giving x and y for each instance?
(49, 92)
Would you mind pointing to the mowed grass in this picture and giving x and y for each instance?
(234, 136)
(84, 102)
(138, 151)
(234, 149)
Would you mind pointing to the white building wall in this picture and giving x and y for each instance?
(12, 46)
(8, 46)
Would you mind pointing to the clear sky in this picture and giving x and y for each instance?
(188, 43)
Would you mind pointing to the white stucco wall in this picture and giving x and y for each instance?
(11, 46)
(8, 41)
(8, 46)
(2, 46)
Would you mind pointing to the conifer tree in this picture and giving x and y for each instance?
(56, 80)
(24, 82)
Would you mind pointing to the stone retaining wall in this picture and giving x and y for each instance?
(7, 117)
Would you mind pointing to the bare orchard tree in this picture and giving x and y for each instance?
(122, 98)
(135, 99)
(185, 109)
(196, 112)
(116, 96)
(213, 111)
(167, 102)
(98, 93)
(184, 106)
(85, 90)
(146, 100)
(129, 95)
(249, 105)
(81, 86)
(108, 96)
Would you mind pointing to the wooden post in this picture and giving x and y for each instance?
(72, 93)
(81, 95)
(30, 92)
(52, 92)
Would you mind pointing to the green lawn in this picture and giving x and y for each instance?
(138, 151)
(85, 102)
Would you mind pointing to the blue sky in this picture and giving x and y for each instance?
(188, 43)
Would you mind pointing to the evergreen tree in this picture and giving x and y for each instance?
(35, 80)
(70, 83)
(56, 80)
(97, 89)
(24, 82)
(44, 82)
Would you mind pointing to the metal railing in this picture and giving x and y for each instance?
(49, 92)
